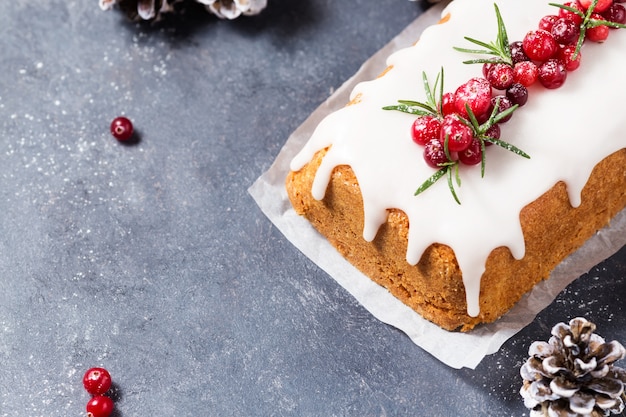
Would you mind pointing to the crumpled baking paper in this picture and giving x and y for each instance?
(455, 349)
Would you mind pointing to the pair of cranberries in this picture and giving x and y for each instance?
(97, 381)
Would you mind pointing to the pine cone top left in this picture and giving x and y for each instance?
(155, 9)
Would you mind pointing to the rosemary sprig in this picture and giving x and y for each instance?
(587, 22)
(500, 48)
(433, 99)
(480, 132)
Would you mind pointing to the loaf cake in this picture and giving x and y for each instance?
(465, 249)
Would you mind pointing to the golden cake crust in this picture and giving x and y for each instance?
(434, 288)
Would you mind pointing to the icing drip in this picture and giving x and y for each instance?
(566, 132)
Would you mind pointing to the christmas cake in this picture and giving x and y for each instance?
(457, 225)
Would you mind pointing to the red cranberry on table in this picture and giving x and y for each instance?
(99, 406)
(122, 128)
(97, 381)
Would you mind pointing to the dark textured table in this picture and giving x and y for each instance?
(152, 259)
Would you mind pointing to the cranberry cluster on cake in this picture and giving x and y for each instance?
(456, 127)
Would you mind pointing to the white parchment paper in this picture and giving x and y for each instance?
(457, 350)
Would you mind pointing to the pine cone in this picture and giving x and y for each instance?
(141, 9)
(231, 9)
(573, 374)
(154, 9)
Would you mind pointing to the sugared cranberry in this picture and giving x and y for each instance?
(546, 22)
(484, 117)
(500, 76)
(576, 18)
(552, 74)
(97, 381)
(525, 73)
(425, 128)
(457, 133)
(473, 154)
(503, 104)
(565, 31)
(566, 56)
(447, 104)
(517, 52)
(476, 94)
(601, 6)
(616, 14)
(493, 132)
(539, 45)
(597, 33)
(435, 154)
(518, 94)
(487, 67)
(99, 406)
(122, 128)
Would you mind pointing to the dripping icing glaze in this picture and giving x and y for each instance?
(557, 128)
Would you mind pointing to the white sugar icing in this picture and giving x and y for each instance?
(566, 132)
